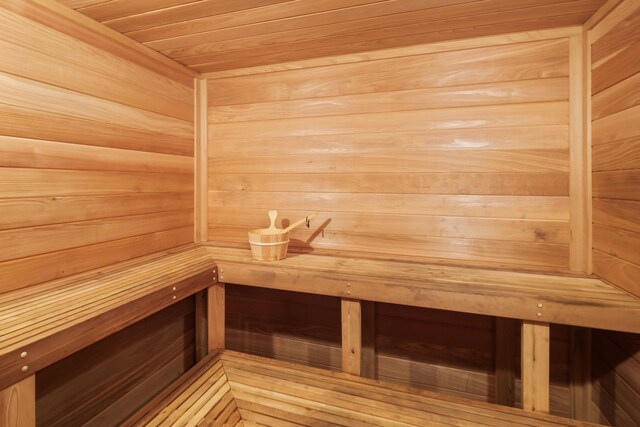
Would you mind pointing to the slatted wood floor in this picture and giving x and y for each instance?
(41, 324)
(240, 389)
(201, 397)
(566, 299)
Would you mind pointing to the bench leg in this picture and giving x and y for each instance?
(535, 366)
(351, 336)
(215, 316)
(580, 373)
(18, 404)
(505, 361)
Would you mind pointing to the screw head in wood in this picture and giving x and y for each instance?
(540, 305)
(539, 314)
(25, 368)
(174, 288)
(23, 354)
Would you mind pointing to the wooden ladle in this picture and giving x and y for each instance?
(274, 230)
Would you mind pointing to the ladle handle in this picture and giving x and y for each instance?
(272, 216)
(302, 221)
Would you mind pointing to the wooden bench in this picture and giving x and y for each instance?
(42, 324)
(534, 300)
(239, 389)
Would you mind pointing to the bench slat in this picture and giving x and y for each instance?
(55, 319)
(569, 299)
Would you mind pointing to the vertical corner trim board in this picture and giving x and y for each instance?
(18, 404)
(535, 366)
(201, 158)
(579, 153)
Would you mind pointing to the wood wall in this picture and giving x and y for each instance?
(615, 62)
(616, 378)
(457, 151)
(615, 127)
(451, 353)
(96, 146)
(105, 383)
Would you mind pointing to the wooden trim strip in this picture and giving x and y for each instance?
(578, 154)
(601, 14)
(614, 16)
(201, 161)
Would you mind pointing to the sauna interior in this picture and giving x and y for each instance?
(475, 166)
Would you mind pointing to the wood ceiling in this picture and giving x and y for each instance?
(212, 35)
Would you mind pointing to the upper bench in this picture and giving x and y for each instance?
(565, 299)
(42, 324)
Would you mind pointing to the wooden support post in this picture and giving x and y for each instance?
(505, 361)
(368, 365)
(202, 347)
(580, 373)
(18, 404)
(535, 366)
(351, 336)
(215, 316)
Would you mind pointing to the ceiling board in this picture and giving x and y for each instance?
(213, 35)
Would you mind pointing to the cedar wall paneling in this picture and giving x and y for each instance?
(456, 153)
(616, 378)
(96, 147)
(615, 61)
(108, 381)
(442, 351)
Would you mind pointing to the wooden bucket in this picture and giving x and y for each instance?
(267, 245)
(271, 244)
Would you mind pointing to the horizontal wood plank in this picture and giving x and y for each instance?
(37, 269)
(507, 138)
(499, 183)
(525, 207)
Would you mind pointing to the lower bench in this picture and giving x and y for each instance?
(42, 324)
(232, 389)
